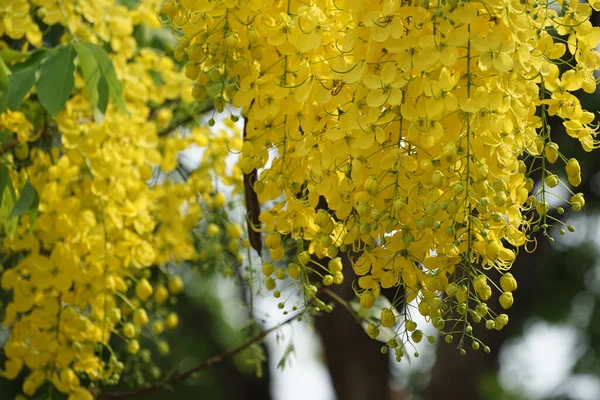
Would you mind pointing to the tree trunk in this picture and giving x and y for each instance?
(358, 369)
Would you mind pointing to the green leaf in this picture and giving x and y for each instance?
(130, 4)
(6, 136)
(57, 79)
(102, 98)
(157, 78)
(92, 75)
(4, 178)
(4, 73)
(33, 210)
(10, 55)
(8, 200)
(22, 78)
(29, 200)
(115, 90)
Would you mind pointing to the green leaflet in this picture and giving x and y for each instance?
(57, 79)
(4, 73)
(100, 77)
(8, 198)
(28, 202)
(95, 83)
(10, 55)
(23, 77)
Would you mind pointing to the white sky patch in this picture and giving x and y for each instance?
(402, 370)
(556, 196)
(573, 239)
(305, 375)
(582, 387)
(537, 364)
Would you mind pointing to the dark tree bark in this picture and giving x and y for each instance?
(358, 369)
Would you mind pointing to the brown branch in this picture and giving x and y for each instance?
(8, 146)
(174, 125)
(252, 205)
(209, 362)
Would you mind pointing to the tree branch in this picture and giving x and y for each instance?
(209, 362)
(252, 205)
(8, 146)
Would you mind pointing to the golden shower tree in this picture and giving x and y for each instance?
(402, 136)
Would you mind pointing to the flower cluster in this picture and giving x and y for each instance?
(86, 275)
(420, 124)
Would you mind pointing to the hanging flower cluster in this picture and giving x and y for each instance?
(85, 270)
(420, 125)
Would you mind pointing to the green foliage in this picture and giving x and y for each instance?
(8, 196)
(92, 75)
(10, 55)
(100, 78)
(108, 78)
(23, 77)
(28, 202)
(57, 79)
(4, 73)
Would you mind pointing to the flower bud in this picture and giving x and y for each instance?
(338, 278)
(388, 319)
(158, 327)
(371, 185)
(322, 218)
(399, 204)
(424, 308)
(482, 171)
(129, 330)
(335, 265)
(551, 152)
(22, 151)
(268, 268)
(506, 300)
(451, 289)
(328, 280)
(500, 199)
(161, 294)
(481, 309)
(293, 270)
(573, 168)
(508, 283)
(140, 318)
(270, 284)
(479, 282)
(501, 321)
(367, 299)
(172, 321)
(272, 241)
(552, 180)
(437, 179)
(542, 207)
(372, 331)
(280, 273)
(485, 293)
(213, 230)
(577, 202)
(133, 346)
(175, 285)
(416, 336)
(304, 258)
(143, 289)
